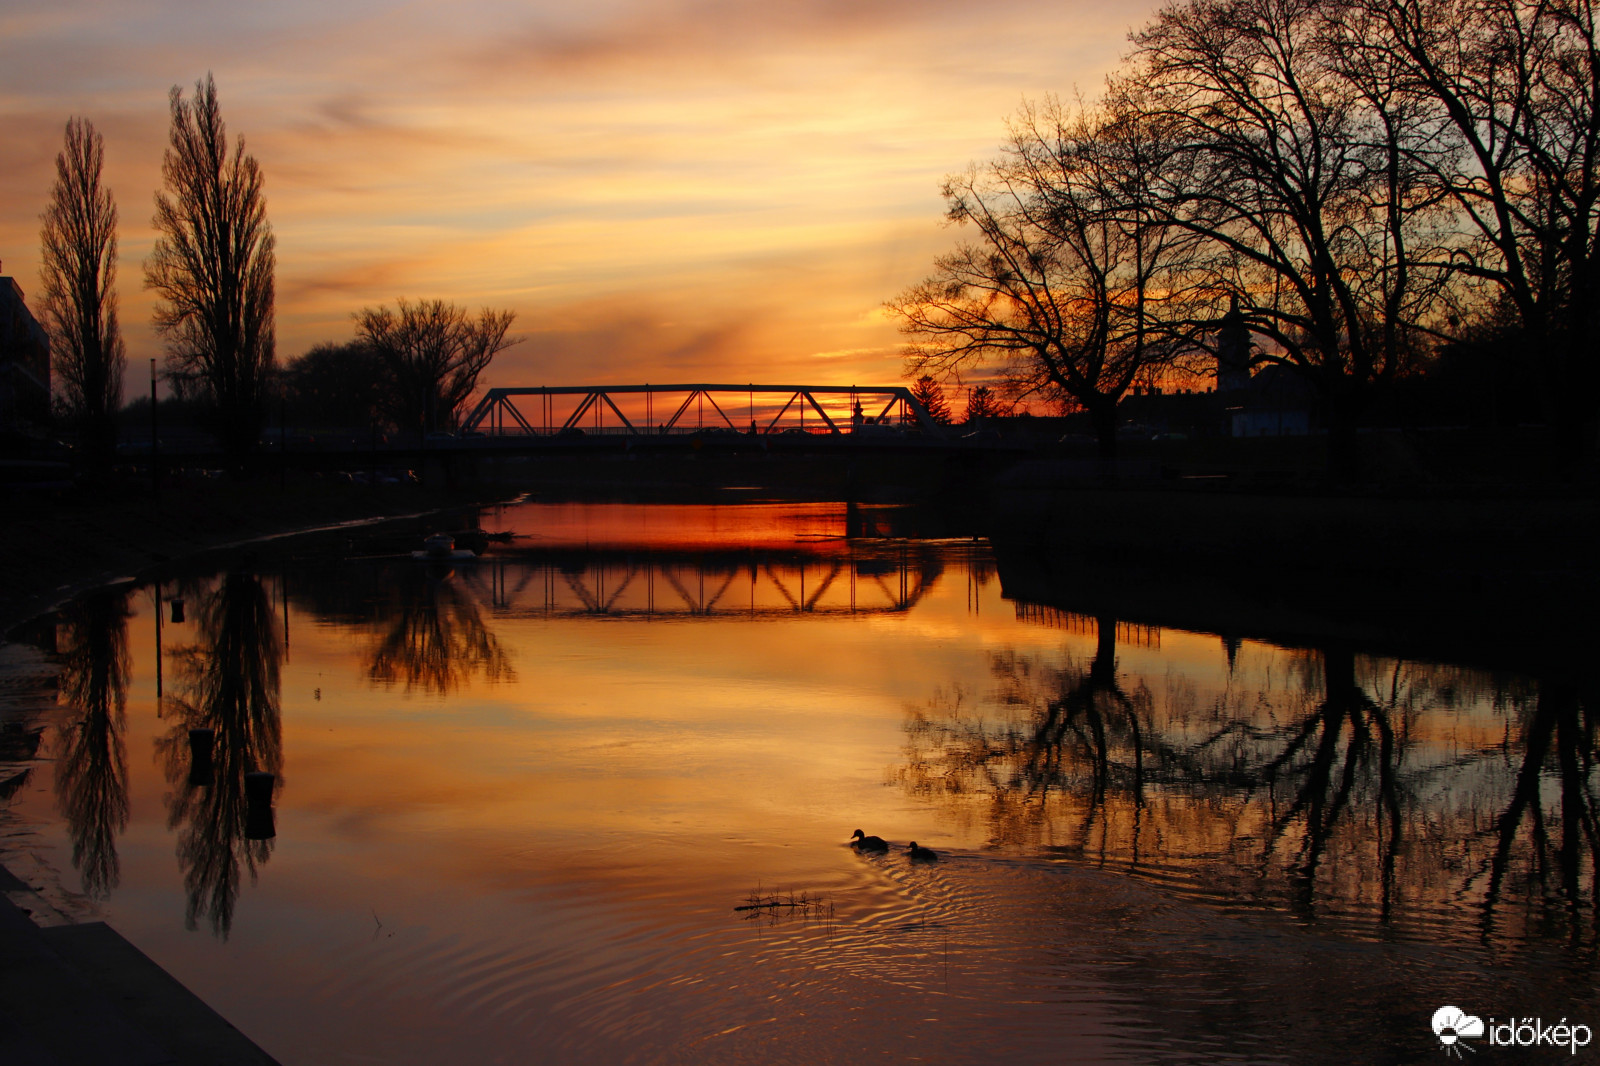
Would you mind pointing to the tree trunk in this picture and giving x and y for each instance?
(1104, 419)
(1342, 410)
(1570, 381)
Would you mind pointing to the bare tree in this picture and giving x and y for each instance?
(1301, 168)
(212, 266)
(1516, 85)
(1068, 288)
(433, 353)
(78, 244)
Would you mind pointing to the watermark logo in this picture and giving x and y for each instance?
(1454, 1026)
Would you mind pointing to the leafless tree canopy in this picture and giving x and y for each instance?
(1072, 284)
(212, 266)
(78, 244)
(1514, 87)
(1365, 179)
(433, 352)
(1298, 158)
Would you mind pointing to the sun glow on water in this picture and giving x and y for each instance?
(519, 800)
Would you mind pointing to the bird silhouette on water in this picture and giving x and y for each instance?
(925, 854)
(862, 842)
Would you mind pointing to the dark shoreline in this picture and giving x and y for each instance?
(61, 546)
(1493, 581)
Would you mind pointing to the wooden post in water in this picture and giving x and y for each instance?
(258, 819)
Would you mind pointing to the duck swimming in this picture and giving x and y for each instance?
(865, 843)
(925, 854)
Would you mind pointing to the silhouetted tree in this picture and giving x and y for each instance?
(78, 274)
(982, 404)
(335, 385)
(1514, 89)
(1072, 276)
(1297, 161)
(930, 394)
(212, 267)
(434, 352)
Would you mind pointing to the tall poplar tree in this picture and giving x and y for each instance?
(78, 275)
(212, 266)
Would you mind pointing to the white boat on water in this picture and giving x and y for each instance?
(441, 547)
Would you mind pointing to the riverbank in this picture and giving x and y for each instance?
(77, 991)
(56, 546)
(1500, 579)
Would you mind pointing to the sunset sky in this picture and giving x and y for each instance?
(662, 190)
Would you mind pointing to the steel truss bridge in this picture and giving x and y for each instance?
(660, 410)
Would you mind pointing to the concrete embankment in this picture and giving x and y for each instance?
(80, 995)
(72, 991)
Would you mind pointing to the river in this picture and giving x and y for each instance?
(588, 797)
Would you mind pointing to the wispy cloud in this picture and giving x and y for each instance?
(691, 185)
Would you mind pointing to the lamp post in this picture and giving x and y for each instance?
(155, 441)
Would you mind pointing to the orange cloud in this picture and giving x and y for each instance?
(654, 188)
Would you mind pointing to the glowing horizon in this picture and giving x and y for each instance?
(659, 190)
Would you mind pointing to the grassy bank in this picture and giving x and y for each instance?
(60, 543)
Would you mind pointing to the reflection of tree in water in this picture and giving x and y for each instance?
(1546, 840)
(1356, 782)
(434, 636)
(1334, 780)
(1071, 738)
(92, 768)
(228, 683)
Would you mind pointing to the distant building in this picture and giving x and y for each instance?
(24, 362)
(1273, 402)
(1276, 403)
(1233, 351)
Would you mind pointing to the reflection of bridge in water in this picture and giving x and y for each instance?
(1087, 625)
(761, 584)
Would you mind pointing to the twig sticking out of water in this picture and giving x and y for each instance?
(804, 903)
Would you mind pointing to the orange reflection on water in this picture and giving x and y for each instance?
(669, 527)
(520, 798)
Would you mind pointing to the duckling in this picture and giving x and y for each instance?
(924, 854)
(863, 842)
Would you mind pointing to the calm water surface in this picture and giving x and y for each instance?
(520, 799)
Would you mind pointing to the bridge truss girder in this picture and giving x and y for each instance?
(498, 406)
